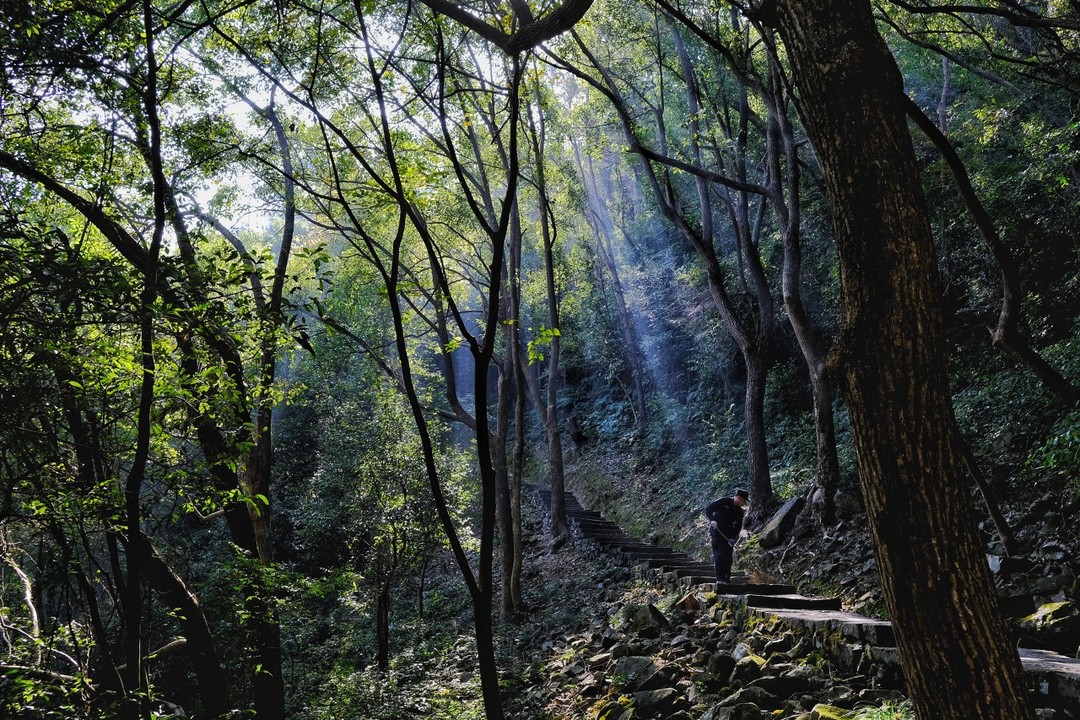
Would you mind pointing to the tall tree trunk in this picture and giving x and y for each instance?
(560, 526)
(788, 204)
(135, 679)
(382, 625)
(760, 483)
(753, 338)
(513, 365)
(954, 646)
(503, 501)
(519, 482)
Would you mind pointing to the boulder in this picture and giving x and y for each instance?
(745, 711)
(658, 617)
(779, 527)
(782, 644)
(848, 503)
(879, 697)
(691, 604)
(748, 668)
(753, 694)
(1053, 550)
(643, 620)
(1005, 565)
(599, 660)
(661, 702)
(636, 673)
(1055, 626)
(840, 696)
(720, 665)
(742, 650)
(783, 686)
(612, 710)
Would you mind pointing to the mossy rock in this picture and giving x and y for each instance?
(1050, 614)
(830, 712)
(611, 710)
(748, 668)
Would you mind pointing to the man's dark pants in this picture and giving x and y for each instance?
(721, 560)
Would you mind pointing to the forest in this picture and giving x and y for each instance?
(301, 301)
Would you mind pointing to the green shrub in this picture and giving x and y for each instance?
(888, 711)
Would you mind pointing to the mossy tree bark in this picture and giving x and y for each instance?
(954, 646)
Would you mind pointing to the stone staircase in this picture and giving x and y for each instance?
(857, 641)
(678, 568)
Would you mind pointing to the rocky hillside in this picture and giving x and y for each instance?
(651, 652)
(1039, 586)
(1041, 578)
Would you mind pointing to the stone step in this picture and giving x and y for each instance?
(601, 531)
(708, 582)
(592, 518)
(703, 576)
(605, 533)
(853, 627)
(592, 523)
(792, 602)
(618, 542)
(756, 589)
(1049, 674)
(678, 561)
(674, 572)
(633, 554)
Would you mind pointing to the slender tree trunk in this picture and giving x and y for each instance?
(269, 683)
(482, 591)
(754, 335)
(943, 101)
(207, 663)
(135, 680)
(513, 364)
(560, 526)
(382, 626)
(485, 642)
(760, 484)
(781, 142)
(519, 481)
(954, 646)
(1005, 534)
(504, 513)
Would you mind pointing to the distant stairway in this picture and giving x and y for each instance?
(677, 568)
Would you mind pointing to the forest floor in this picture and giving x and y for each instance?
(721, 663)
(588, 645)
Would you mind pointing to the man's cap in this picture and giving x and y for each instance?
(743, 494)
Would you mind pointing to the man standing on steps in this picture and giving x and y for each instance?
(725, 523)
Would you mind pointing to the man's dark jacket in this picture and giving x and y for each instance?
(728, 517)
